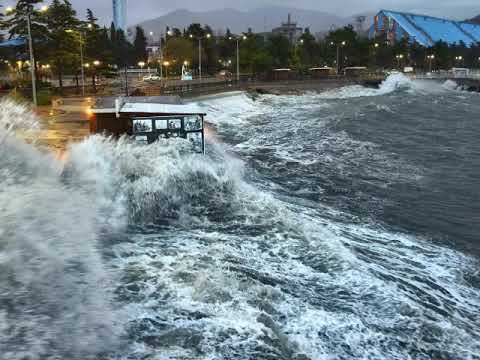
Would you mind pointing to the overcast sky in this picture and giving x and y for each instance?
(139, 10)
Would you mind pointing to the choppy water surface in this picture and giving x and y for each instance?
(341, 225)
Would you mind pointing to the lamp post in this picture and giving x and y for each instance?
(166, 64)
(399, 58)
(30, 47)
(237, 39)
(338, 45)
(82, 38)
(208, 36)
(161, 54)
(141, 64)
(430, 59)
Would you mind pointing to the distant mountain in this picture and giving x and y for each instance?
(475, 20)
(259, 20)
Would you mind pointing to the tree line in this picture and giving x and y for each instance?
(58, 34)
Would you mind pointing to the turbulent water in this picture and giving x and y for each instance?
(341, 225)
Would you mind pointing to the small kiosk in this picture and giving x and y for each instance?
(280, 74)
(147, 119)
(321, 72)
(355, 71)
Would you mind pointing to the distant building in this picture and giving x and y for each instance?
(120, 14)
(395, 26)
(289, 29)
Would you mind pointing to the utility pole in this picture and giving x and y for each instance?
(238, 60)
(81, 64)
(200, 59)
(338, 60)
(32, 58)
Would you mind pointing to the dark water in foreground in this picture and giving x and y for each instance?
(341, 225)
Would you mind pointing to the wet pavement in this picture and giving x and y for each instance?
(62, 124)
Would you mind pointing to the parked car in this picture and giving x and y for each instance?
(151, 78)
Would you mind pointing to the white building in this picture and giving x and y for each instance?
(120, 14)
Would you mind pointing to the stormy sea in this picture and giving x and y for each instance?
(335, 225)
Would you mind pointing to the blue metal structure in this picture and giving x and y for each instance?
(425, 30)
(120, 14)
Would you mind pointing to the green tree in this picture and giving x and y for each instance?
(63, 40)
(179, 50)
(140, 45)
(279, 49)
(98, 48)
(308, 50)
(16, 24)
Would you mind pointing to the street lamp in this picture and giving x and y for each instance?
(166, 64)
(399, 58)
(82, 37)
(237, 39)
(342, 44)
(30, 10)
(208, 36)
(141, 64)
(430, 58)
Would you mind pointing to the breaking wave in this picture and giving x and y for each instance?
(54, 287)
(392, 84)
(135, 252)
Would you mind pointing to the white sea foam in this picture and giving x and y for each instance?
(214, 267)
(52, 304)
(392, 84)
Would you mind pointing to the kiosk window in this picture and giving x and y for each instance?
(175, 124)
(196, 140)
(141, 139)
(193, 123)
(142, 125)
(161, 124)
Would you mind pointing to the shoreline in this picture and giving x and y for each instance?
(67, 124)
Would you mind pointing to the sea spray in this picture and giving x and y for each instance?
(274, 245)
(54, 288)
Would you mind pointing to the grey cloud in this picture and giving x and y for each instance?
(139, 10)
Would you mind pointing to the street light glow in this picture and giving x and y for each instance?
(209, 36)
(96, 63)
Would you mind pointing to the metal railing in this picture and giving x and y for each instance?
(472, 75)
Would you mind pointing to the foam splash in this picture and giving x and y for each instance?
(209, 265)
(51, 304)
(392, 84)
(15, 119)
